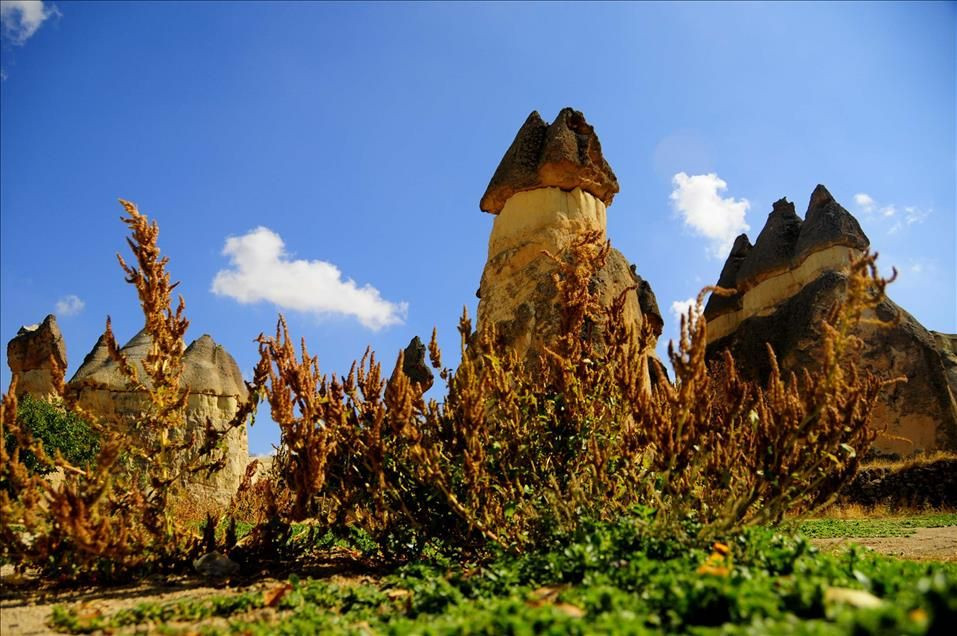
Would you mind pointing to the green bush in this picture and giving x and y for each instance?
(58, 430)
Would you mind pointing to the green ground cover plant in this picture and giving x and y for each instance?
(889, 527)
(604, 578)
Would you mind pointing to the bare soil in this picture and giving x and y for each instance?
(25, 608)
(926, 544)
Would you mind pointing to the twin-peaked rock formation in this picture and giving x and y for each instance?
(101, 390)
(787, 281)
(551, 188)
(216, 390)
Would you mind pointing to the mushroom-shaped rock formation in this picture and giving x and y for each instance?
(786, 283)
(37, 359)
(216, 390)
(550, 190)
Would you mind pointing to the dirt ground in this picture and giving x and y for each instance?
(24, 610)
(935, 544)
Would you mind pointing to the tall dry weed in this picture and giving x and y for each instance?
(115, 517)
(511, 456)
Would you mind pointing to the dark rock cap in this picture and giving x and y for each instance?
(729, 279)
(785, 242)
(565, 154)
(827, 223)
(775, 245)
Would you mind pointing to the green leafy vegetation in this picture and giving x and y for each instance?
(603, 578)
(58, 430)
(861, 528)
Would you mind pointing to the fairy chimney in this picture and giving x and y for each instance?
(37, 359)
(551, 188)
(786, 283)
(216, 391)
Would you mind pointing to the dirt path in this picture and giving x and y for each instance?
(937, 544)
(24, 610)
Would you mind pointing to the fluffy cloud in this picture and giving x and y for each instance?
(864, 202)
(697, 199)
(262, 271)
(20, 19)
(680, 308)
(69, 305)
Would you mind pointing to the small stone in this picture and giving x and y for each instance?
(216, 566)
(852, 597)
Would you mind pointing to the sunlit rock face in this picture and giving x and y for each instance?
(216, 391)
(551, 189)
(786, 283)
(36, 356)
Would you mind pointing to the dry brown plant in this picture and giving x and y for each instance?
(115, 517)
(510, 456)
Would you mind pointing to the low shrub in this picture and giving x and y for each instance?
(58, 430)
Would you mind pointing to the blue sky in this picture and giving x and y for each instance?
(266, 138)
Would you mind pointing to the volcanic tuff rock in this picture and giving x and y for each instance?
(565, 154)
(36, 355)
(550, 189)
(786, 283)
(216, 391)
(414, 365)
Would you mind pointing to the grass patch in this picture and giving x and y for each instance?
(863, 528)
(605, 579)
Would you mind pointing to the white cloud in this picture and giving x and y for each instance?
(20, 19)
(69, 305)
(263, 271)
(864, 202)
(915, 215)
(680, 308)
(696, 198)
(888, 213)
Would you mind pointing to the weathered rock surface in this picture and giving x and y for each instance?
(785, 285)
(216, 391)
(550, 190)
(565, 155)
(36, 356)
(921, 483)
(414, 364)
